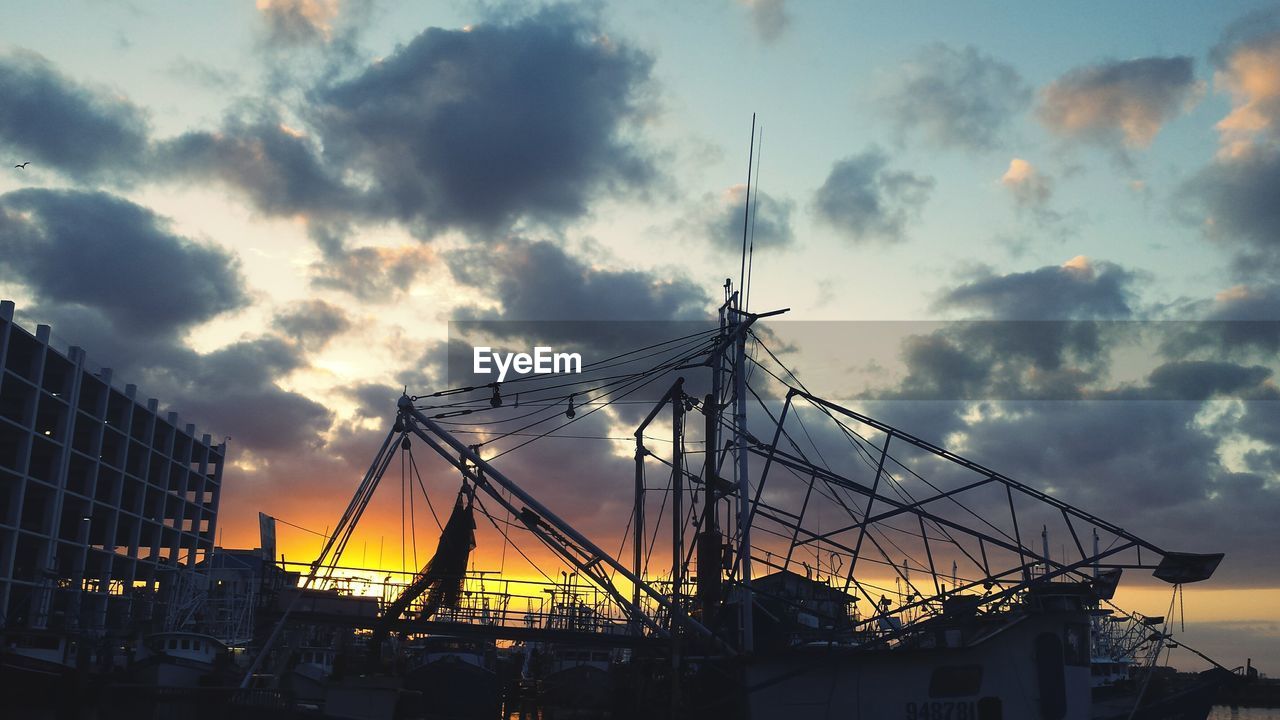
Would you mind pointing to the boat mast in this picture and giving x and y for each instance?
(740, 440)
(738, 314)
(710, 540)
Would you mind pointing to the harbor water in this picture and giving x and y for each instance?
(1222, 712)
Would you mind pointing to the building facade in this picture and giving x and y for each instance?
(103, 499)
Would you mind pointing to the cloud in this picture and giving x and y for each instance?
(236, 389)
(1247, 65)
(374, 400)
(1203, 379)
(866, 201)
(209, 76)
(87, 133)
(957, 98)
(1078, 289)
(542, 295)
(1242, 321)
(1032, 192)
(1247, 303)
(1138, 457)
(1147, 465)
(479, 128)
(769, 18)
(1144, 455)
(721, 218)
(296, 22)
(312, 323)
(97, 250)
(1119, 104)
(1030, 188)
(370, 273)
(1236, 198)
(112, 276)
(276, 167)
(540, 281)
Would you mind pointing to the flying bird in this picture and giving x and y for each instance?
(23, 166)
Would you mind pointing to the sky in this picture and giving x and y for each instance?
(265, 214)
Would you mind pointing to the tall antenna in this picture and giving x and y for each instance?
(746, 208)
(755, 207)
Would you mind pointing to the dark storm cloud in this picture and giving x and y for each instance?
(1078, 289)
(374, 400)
(1203, 379)
(1246, 303)
(1118, 103)
(540, 281)
(940, 368)
(549, 297)
(84, 132)
(479, 128)
(427, 372)
(956, 98)
(1014, 356)
(721, 220)
(1241, 322)
(866, 201)
(1262, 421)
(993, 361)
(235, 389)
(313, 323)
(1246, 318)
(278, 169)
(252, 362)
(1236, 197)
(98, 250)
(1129, 456)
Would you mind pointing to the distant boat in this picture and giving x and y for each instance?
(177, 659)
(456, 678)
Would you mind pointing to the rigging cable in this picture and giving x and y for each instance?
(593, 366)
(413, 520)
(656, 374)
(902, 492)
(299, 527)
(414, 464)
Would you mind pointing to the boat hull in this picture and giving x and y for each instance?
(1030, 669)
(453, 688)
(1192, 702)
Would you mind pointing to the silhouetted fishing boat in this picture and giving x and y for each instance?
(973, 622)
